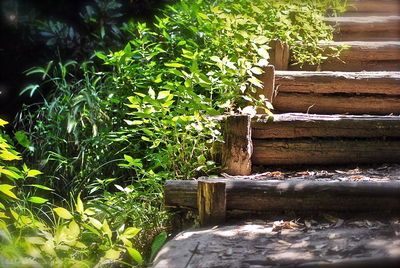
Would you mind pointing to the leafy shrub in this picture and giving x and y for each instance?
(72, 239)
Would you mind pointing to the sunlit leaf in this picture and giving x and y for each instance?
(6, 189)
(34, 173)
(2, 122)
(131, 232)
(9, 156)
(112, 254)
(174, 64)
(63, 213)
(79, 205)
(163, 95)
(96, 223)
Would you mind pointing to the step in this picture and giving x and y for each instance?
(303, 139)
(379, 83)
(303, 195)
(359, 56)
(366, 28)
(299, 125)
(285, 242)
(325, 151)
(374, 6)
(337, 92)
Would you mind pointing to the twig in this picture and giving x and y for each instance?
(191, 256)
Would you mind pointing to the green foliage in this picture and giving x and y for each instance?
(114, 136)
(73, 238)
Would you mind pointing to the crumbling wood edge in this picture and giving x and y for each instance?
(268, 82)
(211, 202)
(238, 147)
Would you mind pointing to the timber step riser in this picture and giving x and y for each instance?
(332, 92)
(293, 139)
(269, 196)
(366, 28)
(373, 6)
(356, 56)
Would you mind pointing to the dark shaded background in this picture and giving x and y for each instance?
(22, 48)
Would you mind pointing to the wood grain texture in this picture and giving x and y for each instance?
(297, 125)
(366, 28)
(325, 152)
(386, 83)
(237, 148)
(294, 195)
(211, 202)
(333, 104)
(279, 55)
(383, 6)
(359, 56)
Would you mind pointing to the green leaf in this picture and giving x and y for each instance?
(163, 94)
(256, 70)
(37, 200)
(203, 16)
(34, 173)
(63, 213)
(157, 243)
(9, 156)
(79, 205)
(112, 254)
(6, 189)
(136, 256)
(101, 56)
(96, 223)
(263, 53)
(41, 187)
(106, 229)
(133, 122)
(174, 64)
(22, 139)
(131, 232)
(260, 40)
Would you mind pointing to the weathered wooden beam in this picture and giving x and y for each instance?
(297, 125)
(368, 28)
(359, 56)
(280, 55)
(309, 151)
(268, 80)
(237, 148)
(384, 83)
(335, 104)
(211, 202)
(383, 6)
(293, 195)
